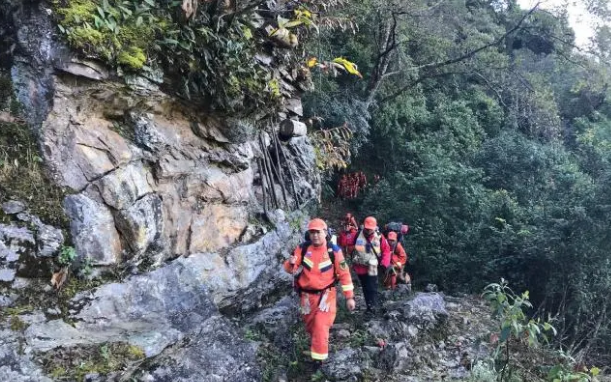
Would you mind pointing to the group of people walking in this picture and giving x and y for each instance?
(318, 263)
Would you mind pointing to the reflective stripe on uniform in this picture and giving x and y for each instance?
(325, 265)
(319, 356)
(348, 287)
(308, 263)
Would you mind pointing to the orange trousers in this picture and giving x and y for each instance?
(318, 322)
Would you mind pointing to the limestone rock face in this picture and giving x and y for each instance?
(158, 312)
(158, 184)
(150, 180)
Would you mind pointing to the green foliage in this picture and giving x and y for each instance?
(560, 373)
(514, 325)
(67, 255)
(213, 57)
(498, 160)
(117, 31)
(509, 308)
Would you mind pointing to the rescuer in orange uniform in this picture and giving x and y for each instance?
(322, 267)
(398, 261)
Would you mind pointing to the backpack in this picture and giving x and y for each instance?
(396, 228)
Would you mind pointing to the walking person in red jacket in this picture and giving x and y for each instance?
(370, 250)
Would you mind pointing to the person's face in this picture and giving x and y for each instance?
(317, 237)
(392, 242)
(368, 231)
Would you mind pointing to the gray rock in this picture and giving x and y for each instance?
(92, 229)
(395, 357)
(18, 239)
(294, 105)
(48, 241)
(215, 354)
(84, 68)
(276, 322)
(122, 187)
(7, 254)
(7, 275)
(21, 283)
(14, 365)
(141, 85)
(343, 364)
(142, 224)
(168, 314)
(250, 272)
(343, 333)
(7, 300)
(13, 207)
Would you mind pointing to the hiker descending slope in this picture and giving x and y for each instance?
(370, 250)
(323, 264)
(398, 261)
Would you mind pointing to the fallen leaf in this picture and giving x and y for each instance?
(59, 278)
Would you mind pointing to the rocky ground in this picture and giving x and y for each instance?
(422, 336)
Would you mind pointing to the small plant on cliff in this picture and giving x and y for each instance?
(67, 255)
(514, 325)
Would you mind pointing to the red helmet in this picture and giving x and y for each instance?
(404, 229)
(392, 235)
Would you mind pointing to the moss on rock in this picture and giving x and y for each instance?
(74, 363)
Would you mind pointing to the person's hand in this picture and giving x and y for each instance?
(292, 259)
(350, 304)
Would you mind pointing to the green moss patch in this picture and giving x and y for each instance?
(118, 32)
(74, 363)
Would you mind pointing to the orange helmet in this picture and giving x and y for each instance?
(392, 235)
(317, 224)
(370, 222)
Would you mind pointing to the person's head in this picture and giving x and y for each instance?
(369, 225)
(392, 238)
(317, 228)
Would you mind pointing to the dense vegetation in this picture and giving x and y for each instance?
(490, 129)
(491, 133)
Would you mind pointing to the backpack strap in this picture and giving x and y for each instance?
(330, 251)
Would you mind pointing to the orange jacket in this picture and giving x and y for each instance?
(318, 272)
(399, 256)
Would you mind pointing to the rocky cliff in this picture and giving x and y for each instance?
(167, 206)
